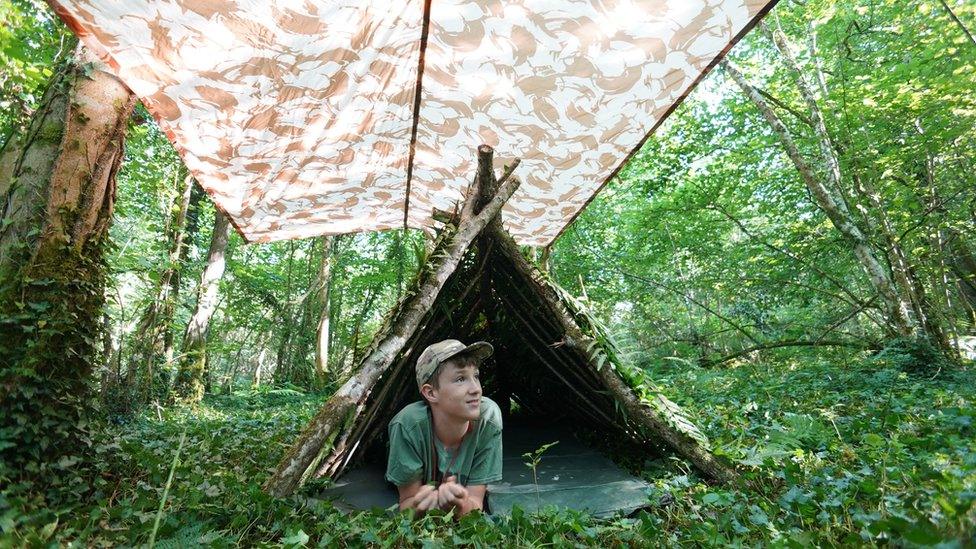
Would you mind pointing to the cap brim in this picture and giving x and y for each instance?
(478, 350)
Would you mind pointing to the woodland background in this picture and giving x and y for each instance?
(792, 254)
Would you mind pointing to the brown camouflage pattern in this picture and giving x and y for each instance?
(295, 115)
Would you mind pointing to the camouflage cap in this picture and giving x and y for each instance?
(435, 354)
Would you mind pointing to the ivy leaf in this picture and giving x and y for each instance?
(923, 534)
(298, 539)
(874, 440)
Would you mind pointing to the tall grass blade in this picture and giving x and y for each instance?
(169, 481)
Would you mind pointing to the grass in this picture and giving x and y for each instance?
(838, 456)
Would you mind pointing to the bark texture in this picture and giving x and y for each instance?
(57, 192)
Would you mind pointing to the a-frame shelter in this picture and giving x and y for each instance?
(551, 357)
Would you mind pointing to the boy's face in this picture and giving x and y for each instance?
(458, 392)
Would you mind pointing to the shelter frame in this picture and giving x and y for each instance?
(577, 354)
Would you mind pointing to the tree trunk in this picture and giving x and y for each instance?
(153, 334)
(57, 193)
(922, 318)
(281, 372)
(324, 284)
(933, 318)
(337, 347)
(898, 309)
(303, 364)
(189, 379)
(259, 363)
(400, 258)
(360, 318)
(545, 259)
(191, 226)
(962, 262)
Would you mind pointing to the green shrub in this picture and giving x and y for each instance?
(913, 355)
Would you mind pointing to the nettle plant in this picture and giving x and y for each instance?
(532, 460)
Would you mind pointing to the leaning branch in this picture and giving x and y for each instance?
(336, 416)
(799, 115)
(718, 315)
(854, 298)
(781, 344)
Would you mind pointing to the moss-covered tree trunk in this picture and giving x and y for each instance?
(152, 340)
(190, 229)
(189, 378)
(57, 192)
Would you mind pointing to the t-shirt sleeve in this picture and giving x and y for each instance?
(405, 463)
(487, 464)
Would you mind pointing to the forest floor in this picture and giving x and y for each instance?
(839, 454)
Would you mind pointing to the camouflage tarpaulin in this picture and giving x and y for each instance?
(302, 117)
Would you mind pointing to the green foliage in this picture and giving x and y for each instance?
(704, 245)
(707, 241)
(916, 355)
(532, 459)
(49, 336)
(32, 41)
(169, 482)
(836, 456)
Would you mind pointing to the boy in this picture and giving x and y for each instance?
(445, 449)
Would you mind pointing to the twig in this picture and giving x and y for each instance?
(661, 285)
(802, 117)
(785, 252)
(854, 312)
(958, 22)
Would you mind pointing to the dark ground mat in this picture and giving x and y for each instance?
(570, 475)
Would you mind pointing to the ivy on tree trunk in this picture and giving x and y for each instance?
(57, 192)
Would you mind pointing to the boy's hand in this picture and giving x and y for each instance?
(426, 498)
(451, 494)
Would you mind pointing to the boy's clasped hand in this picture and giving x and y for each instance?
(446, 496)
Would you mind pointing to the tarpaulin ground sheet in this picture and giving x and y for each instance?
(570, 475)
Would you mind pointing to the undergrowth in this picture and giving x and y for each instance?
(837, 456)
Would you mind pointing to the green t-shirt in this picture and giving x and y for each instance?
(478, 461)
